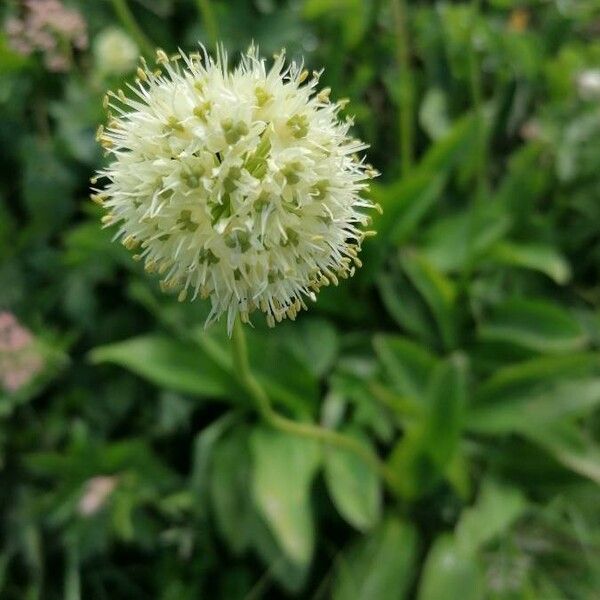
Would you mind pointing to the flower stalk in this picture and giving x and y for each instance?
(308, 430)
(128, 21)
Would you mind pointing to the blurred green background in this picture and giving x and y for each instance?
(465, 352)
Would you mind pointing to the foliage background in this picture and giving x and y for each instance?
(465, 352)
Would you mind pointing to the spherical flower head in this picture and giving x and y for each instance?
(115, 52)
(240, 186)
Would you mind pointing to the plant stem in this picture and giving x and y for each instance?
(481, 158)
(406, 108)
(210, 22)
(308, 430)
(128, 21)
(477, 100)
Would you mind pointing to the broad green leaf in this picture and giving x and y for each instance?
(541, 406)
(544, 259)
(450, 575)
(428, 448)
(414, 194)
(354, 486)
(406, 307)
(289, 574)
(534, 324)
(408, 201)
(408, 365)
(47, 185)
(465, 238)
(520, 378)
(570, 447)
(229, 482)
(438, 292)
(524, 183)
(496, 509)
(446, 398)
(379, 566)
(413, 203)
(352, 16)
(314, 342)
(169, 363)
(204, 444)
(284, 466)
(411, 460)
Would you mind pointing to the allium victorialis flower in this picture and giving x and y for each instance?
(243, 187)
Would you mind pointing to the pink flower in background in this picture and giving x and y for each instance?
(20, 360)
(49, 27)
(97, 490)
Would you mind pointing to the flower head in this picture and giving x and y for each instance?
(115, 52)
(243, 187)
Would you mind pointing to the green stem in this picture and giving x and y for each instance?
(72, 578)
(128, 21)
(406, 108)
(477, 100)
(210, 22)
(308, 430)
(481, 158)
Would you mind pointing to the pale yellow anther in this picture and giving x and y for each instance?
(161, 57)
(323, 95)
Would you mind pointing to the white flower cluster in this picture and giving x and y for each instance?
(243, 187)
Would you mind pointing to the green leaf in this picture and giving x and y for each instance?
(541, 406)
(284, 468)
(444, 418)
(406, 307)
(429, 446)
(496, 509)
(408, 365)
(169, 363)
(229, 482)
(314, 342)
(536, 257)
(354, 486)
(465, 238)
(47, 186)
(570, 447)
(352, 16)
(408, 201)
(380, 566)
(289, 574)
(411, 204)
(438, 292)
(204, 444)
(520, 378)
(449, 575)
(536, 325)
